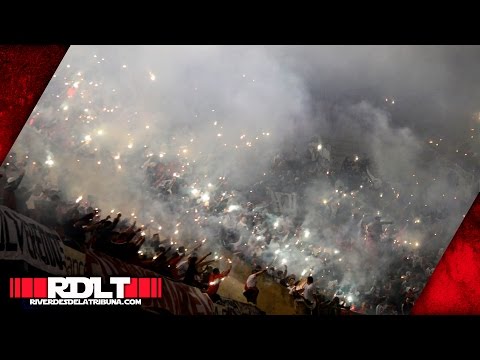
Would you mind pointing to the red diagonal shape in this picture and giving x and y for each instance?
(454, 287)
(25, 71)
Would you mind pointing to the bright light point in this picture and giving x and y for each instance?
(205, 197)
(349, 298)
(275, 224)
(130, 146)
(304, 272)
(307, 233)
(143, 233)
(417, 221)
(284, 261)
(336, 251)
(147, 127)
(244, 75)
(99, 162)
(277, 251)
(340, 259)
(176, 232)
(195, 192)
(124, 66)
(79, 199)
(88, 138)
(68, 66)
(49, 162)
(152, 76)
(100, 132)
(65, 108)
(319, 147)
(219, 135)
(416, 244)
(393, 101)
(286, 246)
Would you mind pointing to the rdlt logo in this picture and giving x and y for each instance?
(69, 288)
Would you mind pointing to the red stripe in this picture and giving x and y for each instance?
(40, 288)
(154, 287)
(18, 287)
(27, 288)
(144, 288)
(159, 287)
(12, 286)
(131, 290)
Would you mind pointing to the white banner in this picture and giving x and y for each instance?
(21, 238)
(283, 203)
(75, 261)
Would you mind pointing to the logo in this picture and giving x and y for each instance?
(85, 290)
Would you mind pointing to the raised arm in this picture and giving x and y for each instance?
(203, 258)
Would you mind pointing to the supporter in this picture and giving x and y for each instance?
(214, 282)
(251, 290)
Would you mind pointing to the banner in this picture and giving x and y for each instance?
(74, 261)
(177, 298)
(283, 203)
(22, 238)
(232, 307)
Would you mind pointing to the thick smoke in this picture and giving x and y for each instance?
(221, 114)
